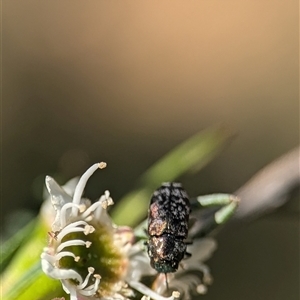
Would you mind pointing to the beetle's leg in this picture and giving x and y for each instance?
(188, 242)
(228, 205)
(187, 254)
(140, 231)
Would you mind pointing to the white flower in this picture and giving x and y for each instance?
(95, 259)
(187, 279)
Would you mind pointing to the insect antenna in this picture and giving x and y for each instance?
(167, 284)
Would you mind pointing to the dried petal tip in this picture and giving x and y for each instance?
(201, 289)
(102, 165)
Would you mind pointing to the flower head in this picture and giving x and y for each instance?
(95, 259)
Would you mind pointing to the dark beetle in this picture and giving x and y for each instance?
(168, 219)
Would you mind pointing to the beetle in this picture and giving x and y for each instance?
(169, 221)
(168, 225)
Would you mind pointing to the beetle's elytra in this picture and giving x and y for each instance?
(168, 218)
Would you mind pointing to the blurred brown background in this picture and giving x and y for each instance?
(126, 81)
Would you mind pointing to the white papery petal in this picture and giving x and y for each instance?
(58, 198)
(56, 273)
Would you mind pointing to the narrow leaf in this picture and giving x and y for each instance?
(192, 154)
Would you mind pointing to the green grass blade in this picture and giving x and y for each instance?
(24, 268)
(192, 154)
(10, 247)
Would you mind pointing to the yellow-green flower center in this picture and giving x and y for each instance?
(102, 255)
